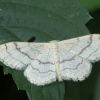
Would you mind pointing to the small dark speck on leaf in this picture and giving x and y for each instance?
(32, 39)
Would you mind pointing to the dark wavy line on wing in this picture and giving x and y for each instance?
(42, 72)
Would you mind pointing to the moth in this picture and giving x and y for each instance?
(44, 63)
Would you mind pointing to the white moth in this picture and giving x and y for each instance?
(43, 63)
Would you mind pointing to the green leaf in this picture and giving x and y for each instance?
(91, 4)
(96, 95)
(45, 20)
